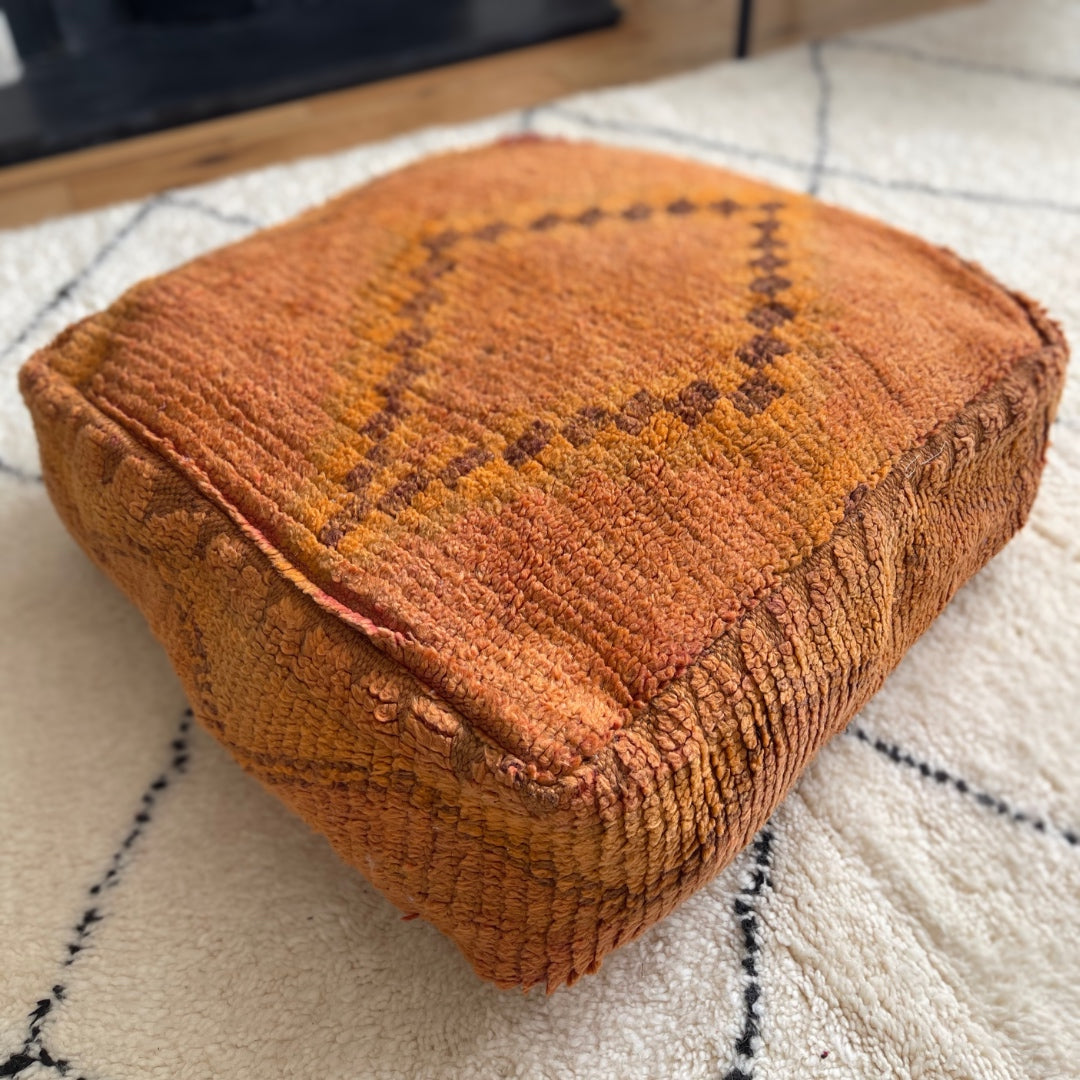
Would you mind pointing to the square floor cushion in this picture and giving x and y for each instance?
(528, 518)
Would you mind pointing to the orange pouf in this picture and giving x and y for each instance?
(527, 519)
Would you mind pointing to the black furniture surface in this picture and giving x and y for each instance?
(97, 70)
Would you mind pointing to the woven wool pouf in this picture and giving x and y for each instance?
(527, 519)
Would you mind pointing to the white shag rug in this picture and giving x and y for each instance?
(917, 912)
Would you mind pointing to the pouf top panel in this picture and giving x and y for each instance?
(544, 420)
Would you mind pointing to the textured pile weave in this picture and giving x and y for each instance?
(827, 893)
(527, 519)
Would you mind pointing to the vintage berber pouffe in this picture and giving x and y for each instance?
(527, 519)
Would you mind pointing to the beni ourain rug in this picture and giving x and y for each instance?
(911, 909)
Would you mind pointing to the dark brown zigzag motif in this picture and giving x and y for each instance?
(691, 404)
(768, 313)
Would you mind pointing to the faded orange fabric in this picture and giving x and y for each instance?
(528, 518)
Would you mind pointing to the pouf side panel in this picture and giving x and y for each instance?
(724, 743)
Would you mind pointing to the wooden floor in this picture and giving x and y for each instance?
(654, 38)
